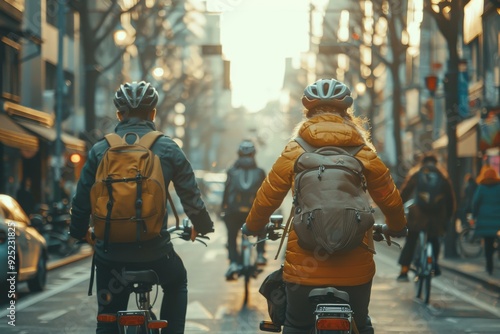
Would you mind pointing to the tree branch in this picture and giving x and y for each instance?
(114, 60)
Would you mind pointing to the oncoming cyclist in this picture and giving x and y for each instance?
(135, 103)
(329, 122)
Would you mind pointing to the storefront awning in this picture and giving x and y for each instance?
(15, 136)
(467, 145)
(50, 134)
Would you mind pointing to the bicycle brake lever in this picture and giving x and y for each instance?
(395, 243)
(201, 241)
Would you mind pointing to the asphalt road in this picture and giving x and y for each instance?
(216, 306)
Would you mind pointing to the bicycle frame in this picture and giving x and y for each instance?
(249, 267)
(424, 267)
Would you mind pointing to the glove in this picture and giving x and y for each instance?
(246, 231)
(90, 237)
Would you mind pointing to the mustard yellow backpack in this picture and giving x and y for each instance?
(128, 198)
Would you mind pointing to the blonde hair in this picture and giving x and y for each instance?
(360, 124)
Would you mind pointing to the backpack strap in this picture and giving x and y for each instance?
(352, 150)
(305, 145)
(113, 139)
(147, 141)
(149, 138)
(285, 231)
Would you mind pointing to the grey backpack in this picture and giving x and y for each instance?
(332, 209)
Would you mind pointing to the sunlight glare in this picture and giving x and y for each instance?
(257, 36)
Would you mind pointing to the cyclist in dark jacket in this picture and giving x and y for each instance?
(243, 180)
(434, 223)
(136, 104)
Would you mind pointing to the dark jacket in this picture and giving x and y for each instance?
(435, 223)
(252, 173)
(176, 168)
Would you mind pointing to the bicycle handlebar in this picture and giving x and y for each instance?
(381, 232)
(184, 231)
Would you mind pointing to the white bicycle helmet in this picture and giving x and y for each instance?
(135, 96)
(327, 92)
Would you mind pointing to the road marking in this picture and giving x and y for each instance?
(212, 254)
(52, 315)
(221, 312)
(46, 294)
(449, 289)
(196, 310)
(194, 326)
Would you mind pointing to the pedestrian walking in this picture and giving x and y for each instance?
(486, 211)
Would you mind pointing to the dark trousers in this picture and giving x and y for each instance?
(300, 313)
(406, 256)
(234, 222)
(113, 295)
(489, 250)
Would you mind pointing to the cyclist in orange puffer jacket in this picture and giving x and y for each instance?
(329, 122)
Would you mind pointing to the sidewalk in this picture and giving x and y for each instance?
(475, 269)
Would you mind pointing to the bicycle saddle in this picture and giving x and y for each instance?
(328, 295)
(143, 276)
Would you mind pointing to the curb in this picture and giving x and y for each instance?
(84, 253)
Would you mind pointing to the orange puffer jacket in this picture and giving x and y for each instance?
(304, 267)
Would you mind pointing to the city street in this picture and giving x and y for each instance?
(215, 306)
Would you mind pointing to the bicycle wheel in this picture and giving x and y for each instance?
(247, 283)
(468, 244)
(424, 274)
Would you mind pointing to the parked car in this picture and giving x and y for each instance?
(29, 247)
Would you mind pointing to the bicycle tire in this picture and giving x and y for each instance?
(426, 286)
(469, 246)
(247, 288)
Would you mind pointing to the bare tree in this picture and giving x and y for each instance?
(97, 28)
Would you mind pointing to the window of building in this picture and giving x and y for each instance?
(10, 69)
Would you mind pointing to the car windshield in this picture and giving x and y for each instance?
(12, 210)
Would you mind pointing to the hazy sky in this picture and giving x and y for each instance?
(256, 36)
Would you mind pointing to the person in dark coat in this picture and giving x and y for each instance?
(434, 223)
(486, 211)
(466, 203)
(136, 103)
(25, 198)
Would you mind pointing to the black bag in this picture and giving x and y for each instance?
(273, 289)
(430, 193)
(242, 187)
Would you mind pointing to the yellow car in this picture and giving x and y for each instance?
(22, 248)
